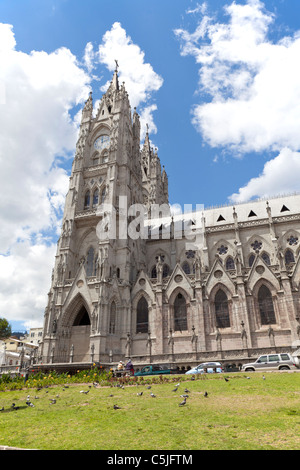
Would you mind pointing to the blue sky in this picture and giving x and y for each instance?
(219, 85)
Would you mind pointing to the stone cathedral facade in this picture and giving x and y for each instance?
(229, 294)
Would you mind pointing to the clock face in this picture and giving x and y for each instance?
(102, 142)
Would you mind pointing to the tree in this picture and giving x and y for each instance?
(5, 329)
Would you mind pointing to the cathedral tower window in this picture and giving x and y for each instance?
(289, 257)
(89, 265)
(142, 316)
(222, 310)
(266, 307)
(103, 195)
(87, 200)
(96, 197)
(112, 318)
(180, 313)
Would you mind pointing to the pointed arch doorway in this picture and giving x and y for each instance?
(80, 335)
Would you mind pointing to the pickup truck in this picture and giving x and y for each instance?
(154, 370)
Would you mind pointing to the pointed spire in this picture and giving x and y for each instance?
(146, 145)
(88, 109)
(115, 79)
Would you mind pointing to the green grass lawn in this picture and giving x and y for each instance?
(241, 414)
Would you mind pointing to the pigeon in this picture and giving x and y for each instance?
(116, 407)
(111, 395)
(53, 401)
(14, 407)
(149, 386)
(226, 380)
(264, 378)
(28, 403)
(184, 396)
(206, 394)
(175, 389)
(186, 390)
(183, 402)
(152, 395)
(2, 409)
(140, 394)
(83, 391)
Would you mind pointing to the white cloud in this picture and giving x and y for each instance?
(40, 90)
(279, 176)
(252, 81)
(141, 81)
(25, 278)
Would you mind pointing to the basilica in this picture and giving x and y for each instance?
(132, 279)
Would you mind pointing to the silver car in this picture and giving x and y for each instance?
(208, 367)
(283, 361)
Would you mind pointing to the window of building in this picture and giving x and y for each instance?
(251, 260)
(266, 307)
(87, 199)
(266, 258)
(230, 263)
(103, 195)
(180, 313)
(153, 273)
(166, 270)
(289, 257)
(142, 316)
(186, 268)
(112, 318)
(89, 265)
(96, 197)
(222, 310)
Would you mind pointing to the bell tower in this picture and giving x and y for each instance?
(88, 314)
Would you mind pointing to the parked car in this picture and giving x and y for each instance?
(209, 367)
(283, 361)
(155, 370)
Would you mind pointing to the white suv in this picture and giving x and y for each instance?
(284, 361)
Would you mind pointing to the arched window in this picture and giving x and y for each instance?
(166, 270)
(251, 260)
(266, 258)
(112, 318)
(221, 310)
(186, 268)
(142, 316)
(180, 313)
(266, 307)
(87, 199)
(96, 197)
(105, 157)
(89, 264)
(153, 272)
(103, 195)
(230, 263)
(289, 257)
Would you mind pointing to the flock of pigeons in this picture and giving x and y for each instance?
(184, 395)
